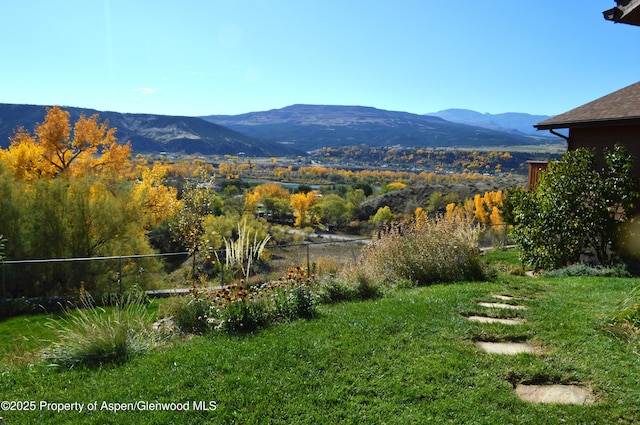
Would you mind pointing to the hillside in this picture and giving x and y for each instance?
(311, 127)
(408, 199)
(153, 133)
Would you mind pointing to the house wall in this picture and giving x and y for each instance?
(601, 137)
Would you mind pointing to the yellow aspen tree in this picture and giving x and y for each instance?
(480, 211)
(496, 218)
(489, 199)
(499, 197)
(157, 200)
(266, 190)
(396, 185)
(24, 156)
(301, 204)
(468, 208)
(450, 211)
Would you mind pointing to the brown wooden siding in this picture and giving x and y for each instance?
(607, 137)
(535, 168)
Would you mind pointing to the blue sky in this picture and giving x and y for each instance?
(200, 57)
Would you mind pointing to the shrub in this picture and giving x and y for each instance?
(94, 336)
(190, 315)
(335, 290)
(366, 288)
(576, 209)
(239, 310)
(404, 284)
(304, 304)
(244, 316)
(424, 251)
(581, 269)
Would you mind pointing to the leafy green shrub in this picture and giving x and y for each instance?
(94, 336)
(304, 304)
(293, 303)
(576, 209)
(425, 251)
(190, 315)
(405, 284)
(335, 290)
(245, 316)
(366, 288)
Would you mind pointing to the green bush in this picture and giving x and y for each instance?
(245, 316)
(304, 302)
(404, 284)
(576, 209)
(581, 269)
(366, 288)
(292, 303)
(426, 251)
(335, 290)
(190, 315)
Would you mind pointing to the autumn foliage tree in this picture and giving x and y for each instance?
(54, 148)
(301, 204)
(274, 197)
(69, 191)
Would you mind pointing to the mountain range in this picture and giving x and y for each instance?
(510, 122)
(153, 133)
(311, 127)
(297, 129)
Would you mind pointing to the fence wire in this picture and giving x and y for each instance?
(63, 277)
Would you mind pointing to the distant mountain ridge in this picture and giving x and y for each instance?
(508, 121)
(152, 133)
(297, 129)
(311, 127)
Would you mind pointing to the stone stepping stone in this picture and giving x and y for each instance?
(485, 319)
(555, 394)
(502, 305)
(504, 297)
(509, 348)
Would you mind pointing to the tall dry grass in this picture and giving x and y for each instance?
(424, 251)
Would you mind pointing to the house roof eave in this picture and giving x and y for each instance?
(626, 12)
(551, 125)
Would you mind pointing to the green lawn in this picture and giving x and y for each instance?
(407, 358)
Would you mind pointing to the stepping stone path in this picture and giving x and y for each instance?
(559, 394)
(511, 348)
(505, 297)
(502, 305)
(485, 319)
(552, 394)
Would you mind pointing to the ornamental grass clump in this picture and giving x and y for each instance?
(624, 321)
(93, 336)
(424, 251)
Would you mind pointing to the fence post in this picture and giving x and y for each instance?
(308, 262)
(120, 275)
(4, 287)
